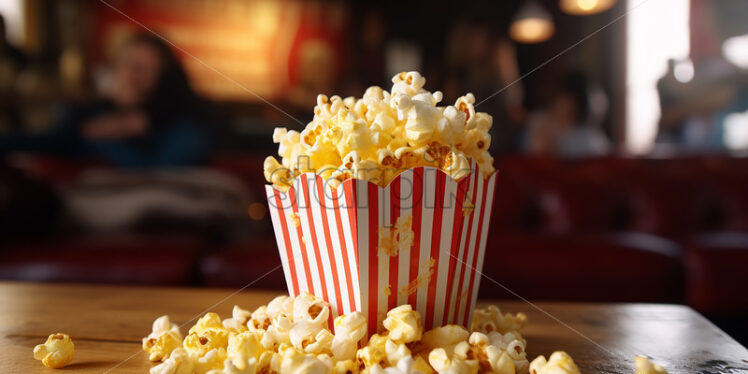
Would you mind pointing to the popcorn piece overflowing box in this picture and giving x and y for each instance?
(386, 200)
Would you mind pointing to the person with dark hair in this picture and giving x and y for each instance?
(566, 127)
(151, 117)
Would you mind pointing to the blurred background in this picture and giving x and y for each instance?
(620, 132)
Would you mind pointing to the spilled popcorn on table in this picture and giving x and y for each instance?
(56, 352)
(291, 335)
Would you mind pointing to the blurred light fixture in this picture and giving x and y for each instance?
(532, 24)
(684, 70)
(584, 7)
(13, 13)
(736, 131)
(735, 50)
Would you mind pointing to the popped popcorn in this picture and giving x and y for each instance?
(479, 348)
(404, 324)
(238, 320)
(405, 366)
(179, 362)
(559, 363)
(644, 366)
(210, 321)
(513, 344)
(377, 136)
(445, 337)
(200, 344)
(281, 304)
(350, 330)
(56, 352)
(260, 319)
(243, 347)
(307, 307)
(490, 319)
(163, 339)
(373, 353)
(302, 363)
(278, 332)
(291, 335)
(445, 363)
(213, 360)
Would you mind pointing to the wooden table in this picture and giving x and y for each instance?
(107, 323)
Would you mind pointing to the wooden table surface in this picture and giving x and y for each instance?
(107, 323)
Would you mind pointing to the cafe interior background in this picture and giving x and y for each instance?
(620, 135)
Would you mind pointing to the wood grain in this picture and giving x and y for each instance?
(107, 323)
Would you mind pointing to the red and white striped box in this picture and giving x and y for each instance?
(351, 246)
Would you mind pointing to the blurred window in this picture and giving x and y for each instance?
(656, 31)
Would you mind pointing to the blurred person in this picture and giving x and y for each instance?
(151, 118)
(565, 128)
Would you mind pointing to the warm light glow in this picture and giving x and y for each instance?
(587, 4)
(656, 32)
(257, 211)
(684, 71)
(531, 30)
(532, 24)
(735, 50)
(584, 7)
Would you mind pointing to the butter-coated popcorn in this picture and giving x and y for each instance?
(260, 319)
(513, 344)
(210, 321)
(644, 366)
(200, 343)
(163, 339)
(490, 319)
(395, 352)
(309, 337)
(291, 335)
(479, 348)
(407, 117)
(267, 363)
(309, 308)
(559, 363)
(445, 337)
(278, 332)
(296, 362)
(345, 367)
(179, 362)
(421, 364)
(405, 366)
(56, 352)
(404, 324)
(443, 363)
(343, 348)
(350, 330)
(281, 304)
(238, 320)
(369, 356)
(351, 326)
(244, 346)
(213, 360)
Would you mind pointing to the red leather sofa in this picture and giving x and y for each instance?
(607, 229)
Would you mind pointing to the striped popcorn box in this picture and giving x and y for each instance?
(421, 241)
